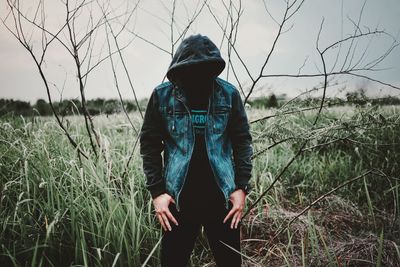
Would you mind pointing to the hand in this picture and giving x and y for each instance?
(163, 213)
(238, 198)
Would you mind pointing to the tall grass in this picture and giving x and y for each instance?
(57, 209)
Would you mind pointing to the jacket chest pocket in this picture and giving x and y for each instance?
(221, 118)
(177, 122)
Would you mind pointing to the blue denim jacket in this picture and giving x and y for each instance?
(227, 135)
(167, 125)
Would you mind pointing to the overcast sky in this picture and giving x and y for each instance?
(146, 64)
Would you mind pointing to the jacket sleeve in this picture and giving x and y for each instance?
(241, 140)
(151, 146)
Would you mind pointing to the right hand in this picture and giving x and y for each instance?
(163, 213)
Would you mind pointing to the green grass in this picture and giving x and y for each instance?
(57, 209)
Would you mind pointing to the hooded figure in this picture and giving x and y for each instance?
(194, 67)
(198, 121)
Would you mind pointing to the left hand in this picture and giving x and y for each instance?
(238, 198)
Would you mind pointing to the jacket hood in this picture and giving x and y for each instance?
(195, 51)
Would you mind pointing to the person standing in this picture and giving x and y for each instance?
(199, 122)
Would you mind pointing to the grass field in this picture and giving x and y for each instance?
(57, 209)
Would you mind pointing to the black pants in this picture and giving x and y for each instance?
(177, 245)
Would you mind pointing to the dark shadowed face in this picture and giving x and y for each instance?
(197, 75)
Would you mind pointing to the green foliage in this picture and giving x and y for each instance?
(15, 107)
(67, 107)
(345, 143)
(271, 101)
(56, 210)
(59, 209)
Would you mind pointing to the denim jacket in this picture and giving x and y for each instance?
(168, 127)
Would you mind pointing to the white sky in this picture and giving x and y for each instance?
(19, 78)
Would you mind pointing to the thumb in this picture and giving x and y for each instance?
(172, 200)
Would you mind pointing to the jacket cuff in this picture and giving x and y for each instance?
(246, 187)
(157, 190)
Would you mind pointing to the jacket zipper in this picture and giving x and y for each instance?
(205, 136)
(191, 152)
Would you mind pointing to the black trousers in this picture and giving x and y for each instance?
(177, 245)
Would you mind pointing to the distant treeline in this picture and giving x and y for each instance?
(351, 98)
(109, 106)
(67, 107)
